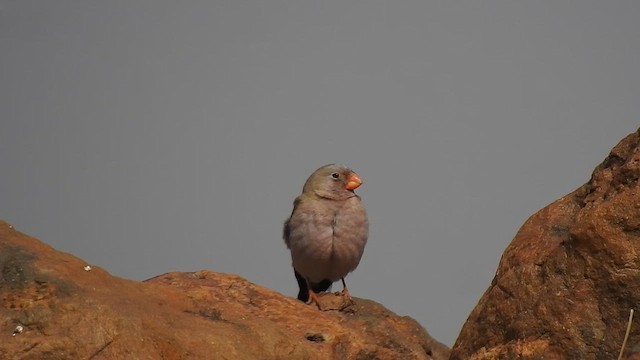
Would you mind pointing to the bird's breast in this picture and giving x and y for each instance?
(327, 243)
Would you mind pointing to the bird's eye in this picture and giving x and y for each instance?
(335, 175)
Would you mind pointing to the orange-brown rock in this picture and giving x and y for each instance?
(566, 283)
(53, 308)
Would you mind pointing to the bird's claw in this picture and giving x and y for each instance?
(313, 299)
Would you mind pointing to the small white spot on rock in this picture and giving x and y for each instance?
(87, 268)
(18, 330)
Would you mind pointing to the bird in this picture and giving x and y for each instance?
(327, 231)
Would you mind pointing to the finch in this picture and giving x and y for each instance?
(327, 231)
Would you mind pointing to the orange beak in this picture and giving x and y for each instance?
(353, 181)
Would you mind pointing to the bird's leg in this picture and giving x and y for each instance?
(345, 291)
(313, 298)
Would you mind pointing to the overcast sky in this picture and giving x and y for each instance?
(157, 136)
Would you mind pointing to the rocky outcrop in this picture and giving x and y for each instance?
(563, 290)
(55, 307)
(566, 283)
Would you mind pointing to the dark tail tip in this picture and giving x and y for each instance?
(303, 294)
(323, 285)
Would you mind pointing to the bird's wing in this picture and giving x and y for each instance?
(286, 229)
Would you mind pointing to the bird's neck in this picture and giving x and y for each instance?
(319, 194)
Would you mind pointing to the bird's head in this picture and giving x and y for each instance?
(332, 182)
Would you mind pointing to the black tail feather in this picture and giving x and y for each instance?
(303, 294)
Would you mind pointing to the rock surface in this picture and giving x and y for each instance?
(566, 283)
(53, 308)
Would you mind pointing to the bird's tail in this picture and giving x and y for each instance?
(303, 294)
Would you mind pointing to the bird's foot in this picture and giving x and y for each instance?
(345, 294)
(313, 299)
(347, 300)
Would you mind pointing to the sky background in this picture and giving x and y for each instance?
(155, 136)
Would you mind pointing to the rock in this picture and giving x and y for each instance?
(566, 283)
(55, 306)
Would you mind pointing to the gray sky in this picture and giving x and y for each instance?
(157, 136)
